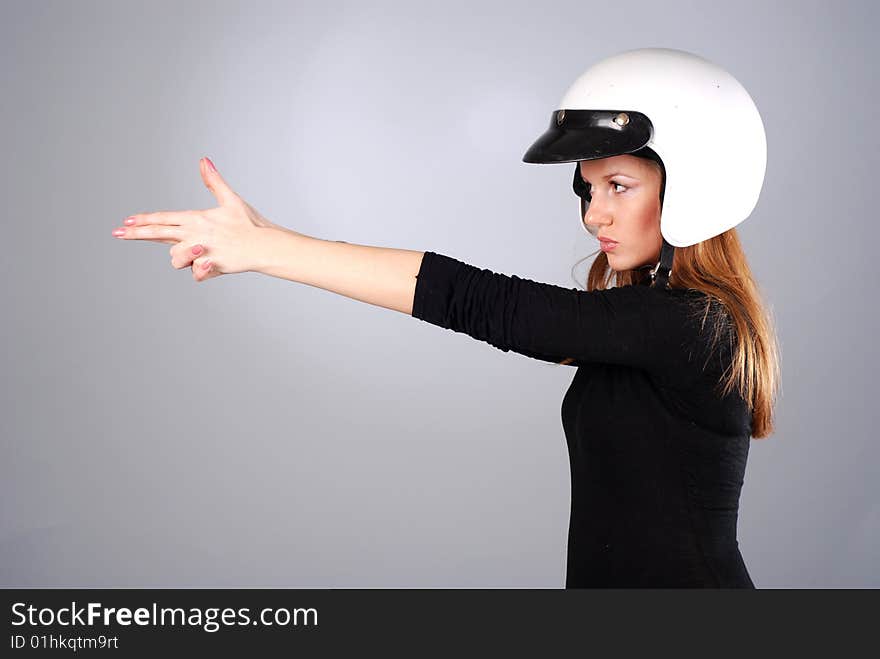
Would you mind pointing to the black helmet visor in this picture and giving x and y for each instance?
(590, 134)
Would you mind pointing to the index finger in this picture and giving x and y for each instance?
(172, 218)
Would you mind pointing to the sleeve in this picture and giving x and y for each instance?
(632, 325)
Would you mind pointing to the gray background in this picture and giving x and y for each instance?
(249, 431)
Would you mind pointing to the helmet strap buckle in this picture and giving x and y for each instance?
(660, 273)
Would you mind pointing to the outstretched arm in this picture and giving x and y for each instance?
(633, 325)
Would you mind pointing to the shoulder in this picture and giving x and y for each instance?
(692, 329)
(678, 308)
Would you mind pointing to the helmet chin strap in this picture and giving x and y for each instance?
(660, 272)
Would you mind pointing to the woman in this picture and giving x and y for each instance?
(676, 368)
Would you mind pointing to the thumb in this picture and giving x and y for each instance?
(215, 183)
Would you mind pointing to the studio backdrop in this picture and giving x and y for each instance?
(250, 431)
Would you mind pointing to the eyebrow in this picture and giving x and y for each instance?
(608, 176)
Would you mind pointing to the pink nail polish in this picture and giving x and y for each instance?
(210, 164)
(206, 265)
(197, 249)
(129, 221)
(118, 232)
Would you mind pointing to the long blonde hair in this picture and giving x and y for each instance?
(718, 268)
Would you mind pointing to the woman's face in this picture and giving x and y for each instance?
(625, 208)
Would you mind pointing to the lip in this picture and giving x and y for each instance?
(607, 245)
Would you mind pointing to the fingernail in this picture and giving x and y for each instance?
(118, 232)
(197, 249)
(210, 164)
(129, 221)
(206, 265)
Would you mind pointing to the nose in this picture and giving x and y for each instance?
(595, 218)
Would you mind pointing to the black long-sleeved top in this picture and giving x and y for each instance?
(657, 457)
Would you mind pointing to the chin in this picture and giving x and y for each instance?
(617, 263)
(620, 263)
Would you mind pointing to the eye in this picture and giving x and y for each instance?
(615, 183)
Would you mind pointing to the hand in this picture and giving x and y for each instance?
(214, 241)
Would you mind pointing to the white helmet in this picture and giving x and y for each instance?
(675, 107)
